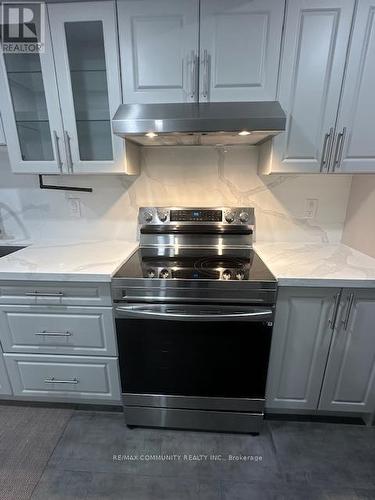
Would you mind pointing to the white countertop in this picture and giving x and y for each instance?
(310, 264)
(293, 264)
(92, 261)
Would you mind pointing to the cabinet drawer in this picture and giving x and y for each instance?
(43, 293)
(65, 378)
(58, 330)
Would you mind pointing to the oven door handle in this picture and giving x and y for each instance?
(125, 312)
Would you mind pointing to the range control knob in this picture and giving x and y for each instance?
(244, 217)
(148, 216)
(226, 275)
(229, 217)
(163, 216)
(240, 275)
(151, 273)
(164, 274)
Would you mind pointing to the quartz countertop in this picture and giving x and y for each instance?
(311, 264)
(92, 261)
(292, 264)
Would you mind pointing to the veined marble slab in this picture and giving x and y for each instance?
(293, 264)
(310, 264)
(92, 261)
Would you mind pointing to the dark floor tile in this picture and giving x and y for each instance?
(102, 442)
(241, 456)
(325, 454)
(365, 494)
(281, 491)
(62, 485)
(133, 487)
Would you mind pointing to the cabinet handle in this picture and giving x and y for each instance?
(68, 151)
(54, 334)
(44, 294)
(205, 73)
(332, 320)
(54, 380)
(326, 153)
(192, 63)
(348, 311)
(339, 149)
(56, 140)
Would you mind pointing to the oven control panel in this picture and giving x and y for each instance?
(196, 215)
(178, 215)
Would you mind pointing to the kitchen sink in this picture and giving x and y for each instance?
(7, 249)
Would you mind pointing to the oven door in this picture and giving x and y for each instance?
(190, 356)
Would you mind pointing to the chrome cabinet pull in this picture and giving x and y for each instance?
(44, 294)
(54, 380)
(68, 151)
(192, 75)
(54, 334)
(326, 153)
(56, 140)
(205, 73)
(332, 320)
(345, 321)
(339, 149)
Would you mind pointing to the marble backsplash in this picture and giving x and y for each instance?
(174, 176)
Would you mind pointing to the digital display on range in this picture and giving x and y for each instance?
(196, 215)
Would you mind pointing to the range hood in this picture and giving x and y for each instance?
(190, 124)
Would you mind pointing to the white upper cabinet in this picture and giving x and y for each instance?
(159, 50)
(240, 49)
(312, 66)
(29, 102)
(84, 38)
(355, 144)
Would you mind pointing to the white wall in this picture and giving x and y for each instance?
(175, 176)
(359, 230)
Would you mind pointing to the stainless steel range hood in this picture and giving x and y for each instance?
(185, 124)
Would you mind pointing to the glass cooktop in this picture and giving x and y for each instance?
(197, 264)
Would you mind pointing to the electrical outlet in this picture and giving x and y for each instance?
(75, 207)
(311, 208)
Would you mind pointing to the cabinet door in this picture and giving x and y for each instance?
(240, 49)
(355, 145)
(300, 344)
(2, 135)
(311, 72)
(159, 50)
(349, 383)
(4, 380)
(30, 111)
(84, 37)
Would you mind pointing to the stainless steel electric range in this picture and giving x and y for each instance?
(194, 309)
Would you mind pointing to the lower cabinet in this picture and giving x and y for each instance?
(349, 382)
(58, 342)
(323, 351)
(300, 345)
(65, 378)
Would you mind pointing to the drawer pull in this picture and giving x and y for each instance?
(44, 294)
(54, 380)
(54, 334)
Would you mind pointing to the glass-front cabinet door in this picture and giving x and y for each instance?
(88, 75)
(31, 113)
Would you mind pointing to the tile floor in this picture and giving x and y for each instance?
(290, 460)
